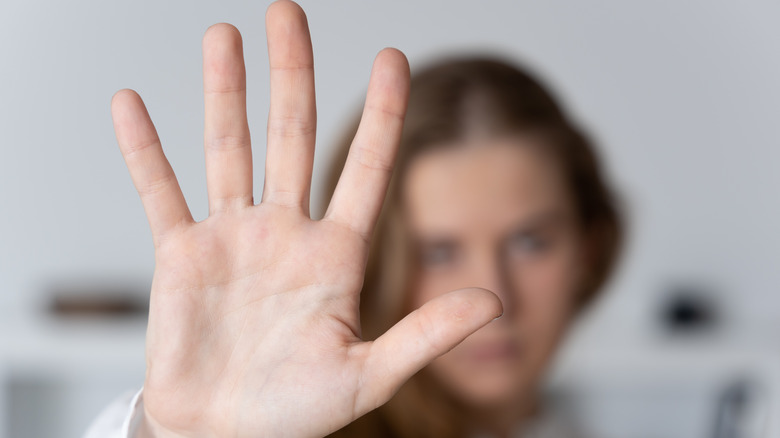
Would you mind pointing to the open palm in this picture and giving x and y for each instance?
(254, 327)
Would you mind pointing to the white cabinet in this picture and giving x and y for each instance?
(55, 377)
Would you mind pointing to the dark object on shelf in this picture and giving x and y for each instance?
(86, 299)
(689, 310)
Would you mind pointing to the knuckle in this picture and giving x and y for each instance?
(372, 159)
(156, 185)
(290, 127)
(227, 143)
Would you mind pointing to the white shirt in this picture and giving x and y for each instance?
(120, 419)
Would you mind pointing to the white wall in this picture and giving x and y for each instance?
(683, 97)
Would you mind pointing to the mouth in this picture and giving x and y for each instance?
(494, 351)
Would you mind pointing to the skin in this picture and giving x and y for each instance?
(496, 214)
(253, 324)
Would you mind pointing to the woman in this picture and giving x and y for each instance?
(494, 187)
(254, 326)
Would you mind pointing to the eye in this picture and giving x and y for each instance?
(527, 243)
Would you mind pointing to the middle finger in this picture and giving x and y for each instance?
(292, 119)
(227, 143)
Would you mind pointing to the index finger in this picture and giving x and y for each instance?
(151, 173)
(361, 189)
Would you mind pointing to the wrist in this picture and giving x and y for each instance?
(149, 428)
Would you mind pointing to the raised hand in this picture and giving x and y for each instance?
(253, 326)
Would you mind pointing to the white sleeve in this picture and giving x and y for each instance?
(120, 419)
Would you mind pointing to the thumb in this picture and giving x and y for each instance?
(422, 336)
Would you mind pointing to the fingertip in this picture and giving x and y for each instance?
(123, 95)
(221, 41)
(223, 59)
(490, 302)
(283, 10)
(395, 61)
(388, 87)
(289, 41)
(480, 305)
(394, 56)
(220, 30)
(125, 105)
(221, 27)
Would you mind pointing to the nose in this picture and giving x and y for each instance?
(491, 272)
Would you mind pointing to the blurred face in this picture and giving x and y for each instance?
(496, 215)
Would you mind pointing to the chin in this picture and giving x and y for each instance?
(492, 371)
(496, 391)
(488, 386)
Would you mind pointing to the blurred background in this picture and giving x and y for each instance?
(682, 97)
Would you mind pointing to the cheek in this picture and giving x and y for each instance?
(429, 285)
(546, 289)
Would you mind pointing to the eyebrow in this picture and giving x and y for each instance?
(553, 217)
(546, 219)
